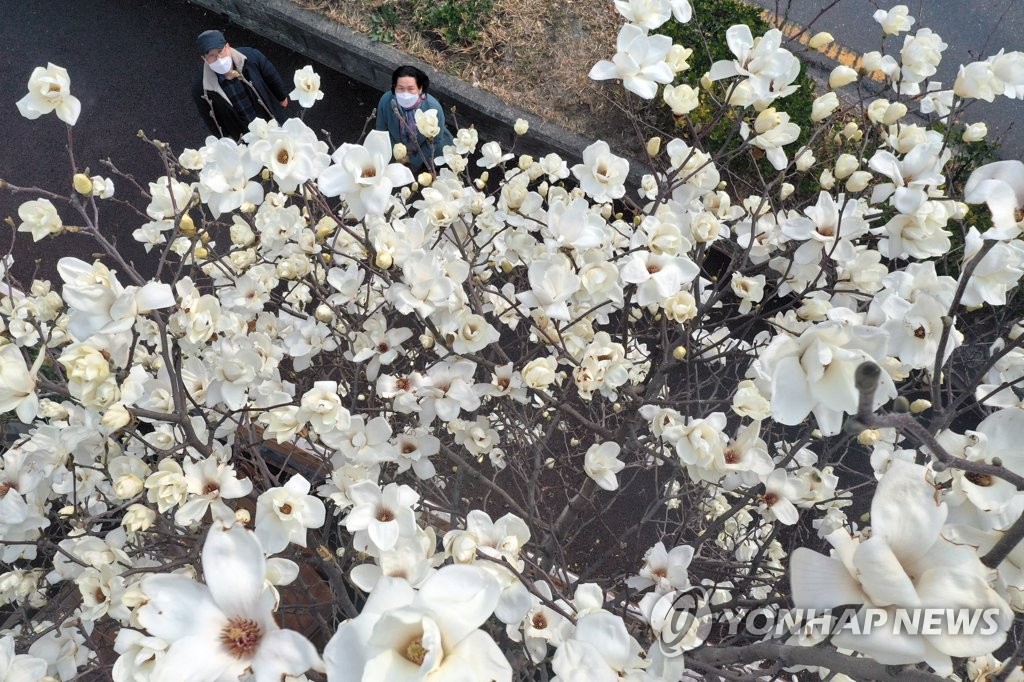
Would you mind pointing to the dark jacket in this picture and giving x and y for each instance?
(424, 151)
(215, 107)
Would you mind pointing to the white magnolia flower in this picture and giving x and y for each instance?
(639, 62)
(814, 372)
(19, 667)
(380, 517)
(769, 68)
(491, 156)
(363, 176)
(999, 185)
(653, 13)
(894, 21)
(284, 515)
(225, 182)
(291, 152)
(773, 130)
(427, 124)
(682, 99)
(429, 634)
(664, 569)
(49, 90)
(920, 59)
(169, 197)
(601, 464)
(225, 627)
(39, 217)
(307, 87)
(905, 563)
(602, 175)
(18, 383)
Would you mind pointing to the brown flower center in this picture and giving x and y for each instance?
(286, 508)
(731, 456)
(210, 488)
(384, 515)
(539, 621)
(984, 480)
(241, 636)
(415, 652)
(770, 499)
(5, 487)
(283, 157)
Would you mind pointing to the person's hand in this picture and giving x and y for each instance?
(284, 102)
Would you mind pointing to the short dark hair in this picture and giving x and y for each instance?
(422, 81)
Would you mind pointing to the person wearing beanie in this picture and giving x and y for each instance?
(235, 86)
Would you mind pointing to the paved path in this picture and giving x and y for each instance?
(973, 29)
(131, 65)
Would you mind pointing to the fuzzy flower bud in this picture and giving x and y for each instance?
(840, 76)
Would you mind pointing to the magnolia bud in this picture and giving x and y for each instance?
(827, 180)
(525, 161)
(840, 76)
(975, 132)
(846, 164)
(201, 253)
(804, 159)
(425, 179)
(785, 190)
(679, 352)
(82, 184)
(187, 225)
(400, 152)
(876, 110)
(384, 260)
(653, 146)
(138, 517)
(858, 182)
(823, 106)
(127, 487)
(894, 112)
(265, 174)
(243, 516)
(820, 40)
(920, 405)
(869, 437)
(116, 417)
(521, 126)
(427, 340)
(324, 313)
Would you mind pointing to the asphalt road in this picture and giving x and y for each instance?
(972, 29)
(131, 65)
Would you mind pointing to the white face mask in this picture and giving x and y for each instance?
(406, 99)
(222, 65)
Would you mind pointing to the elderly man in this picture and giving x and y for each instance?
(234, 86)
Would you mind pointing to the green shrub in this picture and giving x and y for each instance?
(705, 35)
(456, 22)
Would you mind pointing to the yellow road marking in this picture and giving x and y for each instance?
(834, 51)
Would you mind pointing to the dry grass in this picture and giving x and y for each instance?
(533, 53)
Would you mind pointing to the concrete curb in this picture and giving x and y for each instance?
(371, 63)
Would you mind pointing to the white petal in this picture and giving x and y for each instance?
(234, 569)
(461, 599)
(882, 577)
(283, 652)
(821, 582)
(904, 511)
